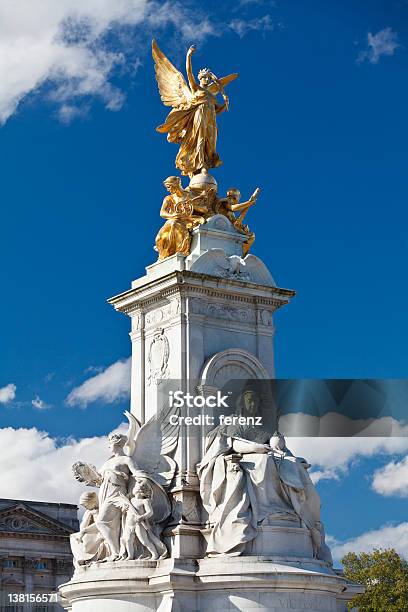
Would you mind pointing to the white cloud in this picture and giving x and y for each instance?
(388, 536)
(34, 466)
(192, 24)
(39, 404)
(108, 386)
(332, 457)
(385, 42)
(243, 26)
(93, 369)
(68, 112)
(7, 393)
(75, 46)
(70, 50)
(392, 479)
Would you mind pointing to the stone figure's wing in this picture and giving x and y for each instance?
(221, 83)
(160, 503)
(153, 444)
(220, 259)
(134, 427)
(214, 262)
(172, 85)
(258, 272)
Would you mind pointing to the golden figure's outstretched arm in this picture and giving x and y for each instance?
(220, 84)
(189, 69)
(218, 87)
(243, 205)
(220, 108)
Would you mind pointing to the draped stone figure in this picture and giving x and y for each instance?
(193, 121)
(243, 482)
(88, 544)
(125, 519)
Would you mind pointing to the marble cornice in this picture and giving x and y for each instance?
(186, 283)
(33, 536)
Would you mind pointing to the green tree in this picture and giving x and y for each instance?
(384, 574)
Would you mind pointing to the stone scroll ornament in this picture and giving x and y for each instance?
(246, 475)
(125, 518)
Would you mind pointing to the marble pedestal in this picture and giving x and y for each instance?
(200, 320)
(243, 584)
(203, 320)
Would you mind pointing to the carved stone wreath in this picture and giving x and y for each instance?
(17, 523)
(158, 358)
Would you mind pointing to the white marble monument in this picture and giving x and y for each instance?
(200, 517)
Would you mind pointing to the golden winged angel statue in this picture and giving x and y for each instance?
(192, 123)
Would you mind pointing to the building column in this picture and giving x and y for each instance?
(29, 568)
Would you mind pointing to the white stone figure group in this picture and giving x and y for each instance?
(247, 478)
(245, 482)
(125, 518)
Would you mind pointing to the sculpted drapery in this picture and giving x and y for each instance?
(195, 129)
(242, 482)
(192, 123)
(183, 210)
(125, 518)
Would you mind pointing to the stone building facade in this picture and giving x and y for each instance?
(35, 554)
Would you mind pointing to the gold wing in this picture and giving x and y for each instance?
(221, 83)
(172, 86)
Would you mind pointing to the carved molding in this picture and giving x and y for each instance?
(231, 313)
(232, 364)
(182, 283)
(136, 322)
(157, 315)
(158, 358)
(18, 523)
(23, 522)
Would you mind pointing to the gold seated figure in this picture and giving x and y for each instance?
(183, 211)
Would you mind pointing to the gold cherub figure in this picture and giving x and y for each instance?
(231, 204)
(192, 123)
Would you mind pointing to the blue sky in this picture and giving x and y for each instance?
(317, 119)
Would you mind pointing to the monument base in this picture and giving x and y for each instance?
(245, 583)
